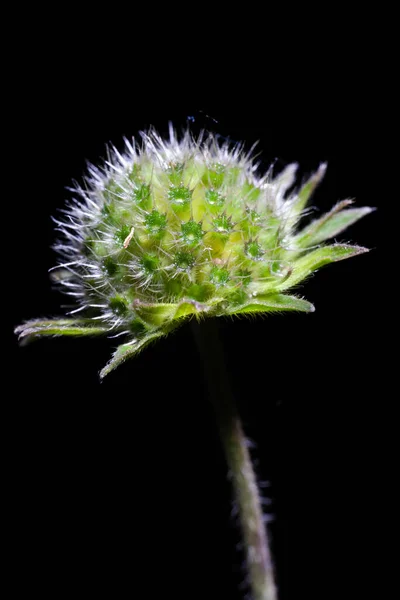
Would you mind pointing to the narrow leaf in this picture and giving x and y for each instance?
(307, 190)
(286, 178)
(69, 327)
(312, 261)
(274, 303)
(126, 351)
(330, 224)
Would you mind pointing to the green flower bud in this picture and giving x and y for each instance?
(181, 228)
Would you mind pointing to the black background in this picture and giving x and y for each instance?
(120, 488)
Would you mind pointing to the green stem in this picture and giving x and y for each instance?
(261, 576)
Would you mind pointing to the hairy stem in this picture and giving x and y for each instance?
(261, 576)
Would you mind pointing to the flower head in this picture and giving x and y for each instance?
(177, 228)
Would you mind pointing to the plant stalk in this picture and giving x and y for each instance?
(258, 555)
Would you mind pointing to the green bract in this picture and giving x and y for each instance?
(181, 228)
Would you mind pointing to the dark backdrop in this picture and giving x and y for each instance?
(122, 485)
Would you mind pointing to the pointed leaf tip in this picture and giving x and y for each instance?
(310, 262)
(286, 178)
(331, 224)
(307, 189)
(128, 350)
(38, 328)
(274, 303)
